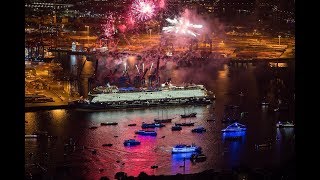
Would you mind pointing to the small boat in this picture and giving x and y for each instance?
(163, 120)
(109, 123)
(231, 106)
(52, 137)
(198, 130)
(176, 128)
(284, 125)
(131, 142)
(283, 107)
(93, 127)
(235, 127)
(228, 120)
(152, 125)
(108, 145)
(94, 151)
(188, 115)
(41, 133)
(198, 157)
(31, 136)
(146, 133)
(263, 146)
(264, 103)
(185, 124)
(134, 124)
(183, 148)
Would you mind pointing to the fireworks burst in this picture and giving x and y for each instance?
(181, 26)
(109, 28)
(143, 9)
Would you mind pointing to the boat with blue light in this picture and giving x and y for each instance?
(131, 142)
(146, 133)
(152, 125)
(285, 124)
(183, 148)
(235, 127)
(198, 130)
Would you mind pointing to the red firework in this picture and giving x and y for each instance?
(143, 9)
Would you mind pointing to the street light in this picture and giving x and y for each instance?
(87, 34)
(279, 39)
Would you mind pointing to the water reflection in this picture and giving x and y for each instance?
(180, 163)
(231, 136)
(234, 143)
(278, 64)
(58, 114)
(284, 134)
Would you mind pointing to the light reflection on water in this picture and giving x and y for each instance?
(225, 83)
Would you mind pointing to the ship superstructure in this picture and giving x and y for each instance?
(113, 94)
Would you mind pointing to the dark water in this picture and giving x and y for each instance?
(255, 81)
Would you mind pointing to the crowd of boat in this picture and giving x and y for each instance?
(234, 126)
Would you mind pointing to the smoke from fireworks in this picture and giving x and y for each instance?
(181, 26)
(143, 9)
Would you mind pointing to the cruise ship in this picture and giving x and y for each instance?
(105, 97)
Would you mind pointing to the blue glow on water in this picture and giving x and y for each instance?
(180, 156)
(234, 145)
(234, 134)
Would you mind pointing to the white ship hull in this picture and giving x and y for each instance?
(150, 96)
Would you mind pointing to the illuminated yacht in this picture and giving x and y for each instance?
(183, 148)
(235, 127)
(146, 133)
(285, 124)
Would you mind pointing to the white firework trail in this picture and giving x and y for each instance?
(181, 26)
